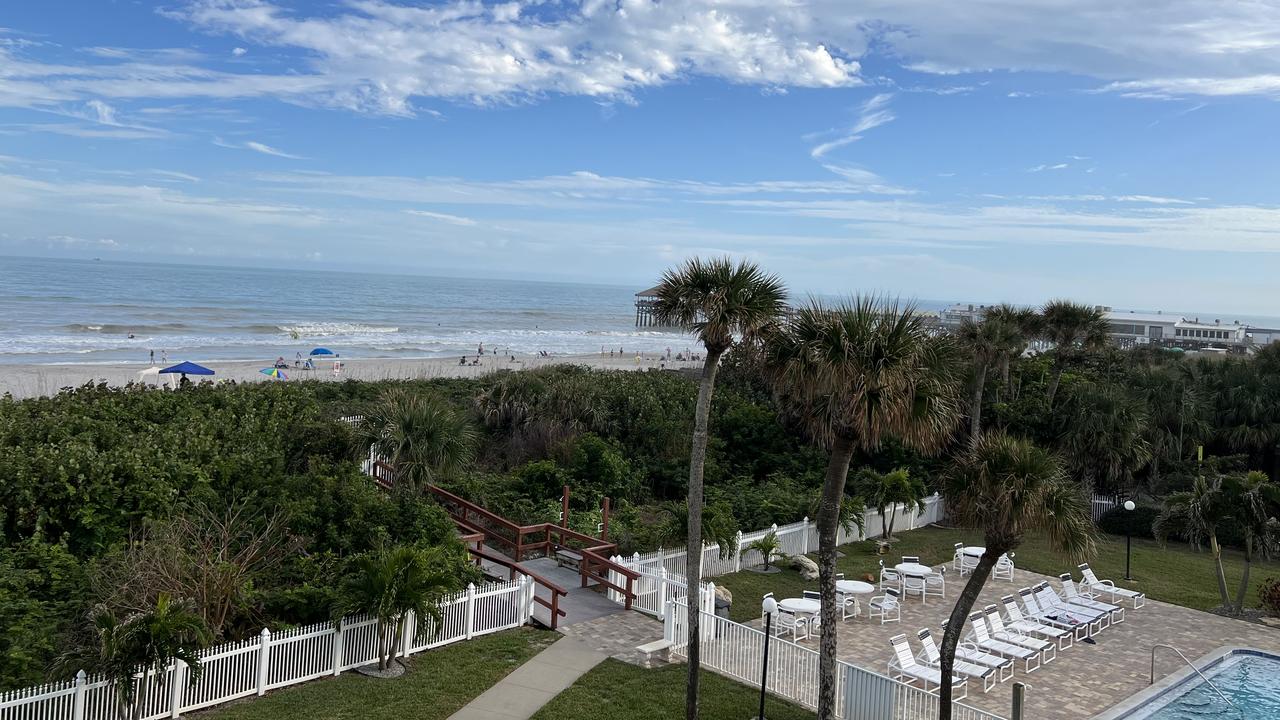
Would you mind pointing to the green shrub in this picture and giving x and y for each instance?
(1136, 522)
(1269, 596)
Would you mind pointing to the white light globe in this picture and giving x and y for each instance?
(770, 606)
(1128, 505)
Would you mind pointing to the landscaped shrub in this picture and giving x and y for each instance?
(1269, 596)
(1136, 522)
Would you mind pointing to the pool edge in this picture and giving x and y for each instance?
(1141, 699)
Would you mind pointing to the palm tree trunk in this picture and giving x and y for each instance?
(693, 550)
(975, 402)
(1057, 370)
(828, 528)
(955, 626)
(884, 523)
(1244, 580)
(382, 645)
(1216, 549)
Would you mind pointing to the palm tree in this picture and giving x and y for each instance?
(715, 300)
(1017, 326)
(1255, 498)
(421, 436)
(983, 340)
(1105, 435)
(718, 525)
(855, 374)
(884, 490)
(145, 643)
(1177, 410)
(1008, 487)
(1195, 514)
(768, 547)
(1072, 328)
(388, 584)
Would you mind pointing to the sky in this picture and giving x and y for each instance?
(1117, 153)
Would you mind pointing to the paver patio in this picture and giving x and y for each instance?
(1083, 680)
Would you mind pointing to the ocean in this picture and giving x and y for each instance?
(73, 311)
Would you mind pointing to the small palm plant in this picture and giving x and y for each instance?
(885, 490)
(768, 547)
(1195, 514)
(131, 651)
(388, 584)
(421, 435)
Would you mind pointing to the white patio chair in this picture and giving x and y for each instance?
(1048, 651)
(968, 651)
(1094, 586)
(903, 666)
(933, 658)
(979, 636)
(886, 607)
(913, 585)
(848, 602)
(815, 619)
(1003, 569)
(1081, 628)
(936, 584)
(956, 559)
(785, 622)
(889, 578)
(911, 559)
(1073, 596)
(1051, 604)
(1064, 637)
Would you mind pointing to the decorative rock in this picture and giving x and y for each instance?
(722, 593)
(808, 568)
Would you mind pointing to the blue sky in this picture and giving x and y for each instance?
(1122, 154)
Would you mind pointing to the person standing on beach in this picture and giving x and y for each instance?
(480, 349)
(164, 357)
(153, 356)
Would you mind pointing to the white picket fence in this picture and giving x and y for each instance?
(270, 661)
(736, 651)
(1101, 504)
(662, 572)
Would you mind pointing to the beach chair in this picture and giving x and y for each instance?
(785, 622)
(979, 636)
(1048, 651)
(1003, 569)
(889, 578)
(1073, 596)
(1097, 587)
(1050, 603)
(1064, 637)
(903, 667)
(1079, 627)
(966, 650)
(887, 607)
(933, 658)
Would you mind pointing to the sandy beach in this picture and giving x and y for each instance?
(33, 380)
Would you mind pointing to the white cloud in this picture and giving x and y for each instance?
(445, 217)
(257, 147)
(238, 51)
(1042, 168)
(873, 113)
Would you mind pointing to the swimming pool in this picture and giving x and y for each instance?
(1250, 680)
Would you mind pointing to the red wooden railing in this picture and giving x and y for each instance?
(556, 592)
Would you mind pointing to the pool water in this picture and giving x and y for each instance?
(1252, 683)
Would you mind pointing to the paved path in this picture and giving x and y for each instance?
(522, 693)
(619, 635)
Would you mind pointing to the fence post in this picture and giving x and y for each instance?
(708, 606)
(669, 620)
(77, 707)
(529, 594)
(1019, 696)
(339, 635)
(410, 632)
(737, 557)
(804, 536)
(471, 610)
(264, 660)
(177, 683)
(662, 590)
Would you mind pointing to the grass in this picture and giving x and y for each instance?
(1176, 574)
(614, 690)
(438, 682)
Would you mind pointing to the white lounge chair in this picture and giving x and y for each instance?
(1073, 596)
(1048, 651)
(966, 650)
(785, 622)
(1065, 637)
(933, 658)
(887, 607)
(980, 637)
(1050, 603)
(1082, 628)
(904, 667)
(1107, 588)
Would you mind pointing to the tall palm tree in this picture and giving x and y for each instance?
(389, 583)
(1008, 487)
(1104, 434)
(715, 300)
(884, 490)
(1255, 499)
(856, 373)
(421, 435)
(1178, 412)
(1196, 514)
(145, 642)
(1073, 329)
(983, 340)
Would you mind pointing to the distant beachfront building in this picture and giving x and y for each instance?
(955, 316)
(1134, 328)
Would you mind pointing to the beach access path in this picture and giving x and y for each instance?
(522, 693)
(33, 380)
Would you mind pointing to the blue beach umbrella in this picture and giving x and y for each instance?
(186, 368)
(322, 351)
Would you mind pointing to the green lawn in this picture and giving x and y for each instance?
(437, 684)
(614, 690)
(1175, 574)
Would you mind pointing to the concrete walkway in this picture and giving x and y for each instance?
(522, 693)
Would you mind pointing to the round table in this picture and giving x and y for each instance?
(913, 569)
(854, 587)
(973, 552)
(800, 605)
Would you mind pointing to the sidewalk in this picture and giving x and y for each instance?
(522, 693)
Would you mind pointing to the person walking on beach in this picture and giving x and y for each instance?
(480, 349)
(164, 357)
(153, 356)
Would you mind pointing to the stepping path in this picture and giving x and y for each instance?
(522, 693)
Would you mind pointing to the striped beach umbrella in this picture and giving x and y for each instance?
(276, 373)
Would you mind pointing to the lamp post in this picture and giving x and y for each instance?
(1128, 540)
(770, 610)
